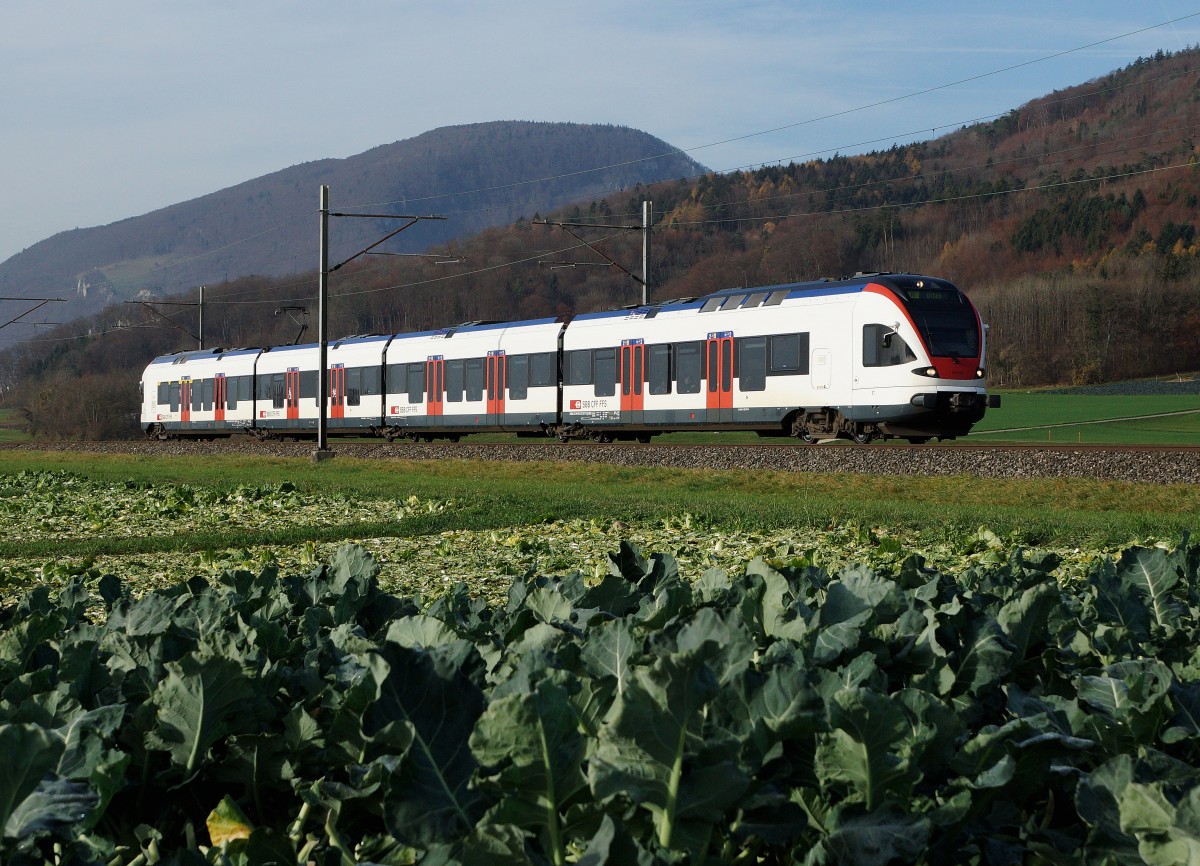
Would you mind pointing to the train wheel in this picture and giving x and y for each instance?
(604, 438)
(807, 438)
(644, 438)
(862, 437)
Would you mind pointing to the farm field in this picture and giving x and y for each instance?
(861, 669)
(1097, 419)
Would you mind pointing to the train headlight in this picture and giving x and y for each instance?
(980, 372)
(931, 372)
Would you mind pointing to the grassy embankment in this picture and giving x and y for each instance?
(501, 495)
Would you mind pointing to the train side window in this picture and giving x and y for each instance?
(370, 381)
(579, 367)
(883, 347)
(752, 363)
(354, 386)
(233, 386)
(517, 377)
(455, 380)
(197, 395)
(775, 298)
(416, 382)
(277, 386)
(658, 368)
(755, 299)
(475, 379)
(689, 367)
(541, 369)
(164, 393)
(712, 304)
(207, 389)
(788, 355)
(606, 372)
(173, 396)
(310, 384)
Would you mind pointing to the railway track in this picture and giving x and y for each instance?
(1149, 464)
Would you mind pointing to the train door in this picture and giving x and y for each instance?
(632, 375)
(497, 365)
(219, 395)
(185, 400)
(435, 389)
(337, 391)
(291, 393)
(719, 387)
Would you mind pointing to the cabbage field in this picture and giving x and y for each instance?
(575, 691)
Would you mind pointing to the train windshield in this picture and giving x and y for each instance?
(946, 320)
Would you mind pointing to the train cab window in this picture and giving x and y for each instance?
(658, 368)
(606, 372)
(517, 377)
(579, 367)
(416, 382)
(752, 363)
(541, 369)
(883, 347)
(455, 380)
(689, 367)
(474, 382)
(775, 298)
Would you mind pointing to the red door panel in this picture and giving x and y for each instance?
(719, 385)
(632, 376)
(292, 393)
(185, 400)
(337, 391)
(497, 365)
(219, 394)
(435, 387)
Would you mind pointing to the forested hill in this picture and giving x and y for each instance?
(478, 175)
(1071, 221)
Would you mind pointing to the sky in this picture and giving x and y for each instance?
(111, 110)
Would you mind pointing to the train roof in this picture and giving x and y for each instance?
(901, 283)
(202, 355)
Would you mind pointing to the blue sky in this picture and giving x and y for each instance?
(114, 109)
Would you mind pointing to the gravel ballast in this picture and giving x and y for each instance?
(1158, 466)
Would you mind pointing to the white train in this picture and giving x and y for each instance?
(876, 355)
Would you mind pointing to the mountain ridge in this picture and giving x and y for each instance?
(257, 226)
